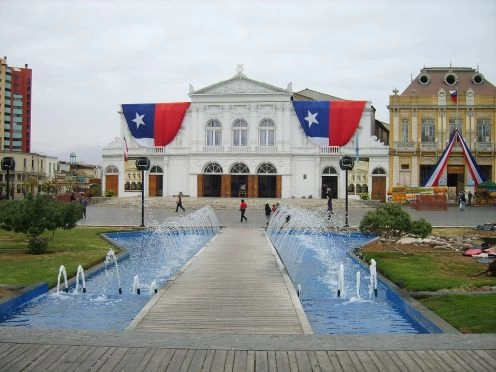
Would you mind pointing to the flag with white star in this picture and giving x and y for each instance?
(154, 124)
(329, 123)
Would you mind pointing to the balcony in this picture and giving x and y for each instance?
(266, 149)
(213, 149)
(484, 146)
(329, 150)
(405, 146)
(239, 149)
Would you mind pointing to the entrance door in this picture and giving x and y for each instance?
(211, 185)
(267, 186)
(332, 183)
(378, 188)
(456, 177)
(112, 184)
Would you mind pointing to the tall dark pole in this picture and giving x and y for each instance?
(8, 190)
(346, 163)
(346, 200)
(142, 198)
(142, 164)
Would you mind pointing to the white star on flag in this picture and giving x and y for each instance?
(139, 120)
(311, 118)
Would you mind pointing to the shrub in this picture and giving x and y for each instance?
(35, 215)
(387, 220)
(420, 228)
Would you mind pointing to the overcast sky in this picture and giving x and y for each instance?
(90, 56)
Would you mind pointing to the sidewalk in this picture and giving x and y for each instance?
(131, 216)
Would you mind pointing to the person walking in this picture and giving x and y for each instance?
(268, 212)
(242, 209)
(179, 203)
(470, 196)
(462, 201)
(329, 207)
(84, 203)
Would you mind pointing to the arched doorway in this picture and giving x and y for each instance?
(378, 184)
(112, 180)
(239, 180)
(267, 181)
(329, 180)
(211, 180)
(156, 181)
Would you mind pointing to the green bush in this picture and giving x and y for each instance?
(35, 215)
(420, 228)
(387, 220)
(109, 193)
(364, 196)
(37, 245)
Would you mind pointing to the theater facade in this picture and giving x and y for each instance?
(242, 138)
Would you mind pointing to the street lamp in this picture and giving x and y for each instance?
(346, 163)
(143, 164)
(8, 164)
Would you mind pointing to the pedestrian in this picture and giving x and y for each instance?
(242, 209)
(179, 203)
(462, 201)
(274, 208)
(73, 196)
(470, 195)
(84, 203)
(268, 212)
(329, 207)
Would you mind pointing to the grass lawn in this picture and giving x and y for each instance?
(467, 313)
(71, 248)
(429, 269)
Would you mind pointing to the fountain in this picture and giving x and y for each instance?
(80, 274)
(373, 278)
(154, 256)
(62, 272)
(111, 257)
(136, 285)
(315, 252)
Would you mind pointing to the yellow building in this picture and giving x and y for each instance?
(423, 117)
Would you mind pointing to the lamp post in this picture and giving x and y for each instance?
(8, 164)
(346, 163)
(143, 164)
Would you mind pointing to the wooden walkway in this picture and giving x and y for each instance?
(234, 285)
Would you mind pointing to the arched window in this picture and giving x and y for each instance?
(329, 170)
(266, 168)
(239, 168)
(240, 133)
(111, 169)
(214, 133)
(212, 168)
(379, 171)
(358, 188)
(156, 170)
(267, 133)
(365, 188)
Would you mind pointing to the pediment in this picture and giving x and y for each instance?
(239, 84)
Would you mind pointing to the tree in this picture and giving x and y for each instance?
(391, 221)
(35, 215)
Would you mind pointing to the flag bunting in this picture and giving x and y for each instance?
(473, 167)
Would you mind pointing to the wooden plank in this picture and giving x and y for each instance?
(185, 366)
(271, 360)
(323, 360)
(131, 359)
(196, 363)
(450, 363)
(314, 362)
(177, 359)
(293, 363)
(250, 361)
(407, 360)
(386, 361)
(334, 358)
(229, 364)
(111, 358)
(35, 353)
(438, 360)
(88, 360)
(282, 361)
(240, 358)
(208, 360)
(366, 361)
(261, 361)
(487, 357)
(219, 360)
(46, 359)
(472, 360)
(159, 360)
(26, 349)
(303, 361)
(345, 361)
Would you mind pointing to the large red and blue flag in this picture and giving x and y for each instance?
(154, 124)
(329, 123)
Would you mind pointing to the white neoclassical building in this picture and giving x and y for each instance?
(242, 138)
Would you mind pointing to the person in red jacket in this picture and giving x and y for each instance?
(242, 209)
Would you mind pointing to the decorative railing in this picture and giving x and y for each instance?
(329, 150)
(239, 149)
(405, 146)
(213, 149)
(484, 146)
(270, 149)
(428, 146)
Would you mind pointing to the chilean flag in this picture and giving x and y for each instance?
(154, 124)
(329, 123)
